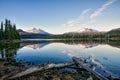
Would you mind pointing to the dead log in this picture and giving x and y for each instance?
(38, 68)
(76, 60)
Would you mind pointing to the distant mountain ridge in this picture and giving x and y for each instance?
(87, 30)
(33, 33)
(114, 31)
(21, 32)
(39, 33)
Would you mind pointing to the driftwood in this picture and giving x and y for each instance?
(76, 60)
(40, 68)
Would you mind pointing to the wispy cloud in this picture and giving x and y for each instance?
(87, 17)
(101, 9)
(78, 20)
(85, 12)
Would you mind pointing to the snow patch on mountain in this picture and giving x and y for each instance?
(87, 30)
(36, 31)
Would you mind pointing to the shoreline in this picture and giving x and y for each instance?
(64, 39)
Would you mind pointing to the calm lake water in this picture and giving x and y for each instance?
(106, 56)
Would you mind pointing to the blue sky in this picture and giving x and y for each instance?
(59, 16)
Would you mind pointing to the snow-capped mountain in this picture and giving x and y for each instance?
(21, 32)
(87, 30)
(33, 33)
(36, 31)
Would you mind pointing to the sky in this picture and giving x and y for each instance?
(60, 16)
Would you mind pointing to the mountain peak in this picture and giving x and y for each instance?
(36, 31)
(21, 32)
(87, 30)
(34, 28)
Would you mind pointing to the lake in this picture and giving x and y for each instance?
(105, 54)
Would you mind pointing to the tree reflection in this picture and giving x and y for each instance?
(90, 43)
(9, 49)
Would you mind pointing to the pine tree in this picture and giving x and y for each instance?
(2, 31)
(17, 36)
(0, 34)
(10, 32)
(6, 29)
(14, 33)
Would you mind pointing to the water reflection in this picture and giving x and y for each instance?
(8, 49)
(105, 54)
(11, 49)
(34, 44)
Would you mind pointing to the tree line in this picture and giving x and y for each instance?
(100, 36)
(8, 31)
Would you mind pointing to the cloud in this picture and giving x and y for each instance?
(79, 20)
(87, 17)
(101, 9)
(69, 52)
(85, 11)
